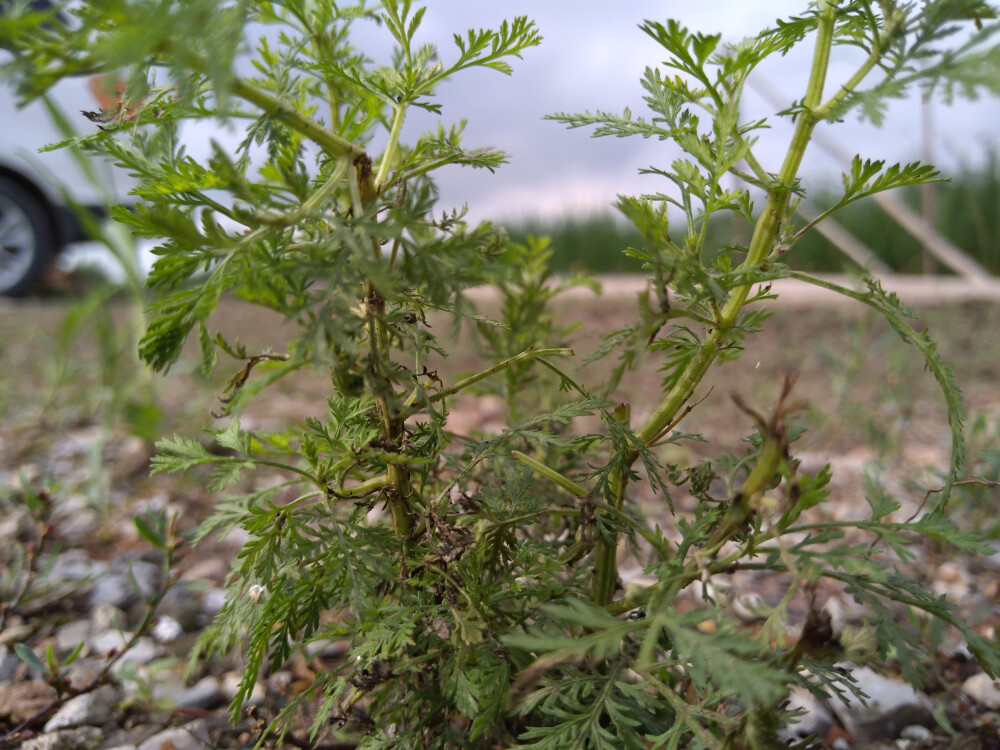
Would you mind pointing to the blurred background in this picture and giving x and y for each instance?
(564, 183)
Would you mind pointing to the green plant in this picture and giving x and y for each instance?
(126, 393)
(483, 608)
(142, 678)
(594, 243)
(526, 288)
(966, 215)
(21, 590)
(984, 468)
(850, 412)
(29, 515)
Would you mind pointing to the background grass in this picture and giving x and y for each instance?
(967, 213)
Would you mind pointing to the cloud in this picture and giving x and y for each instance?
(592, 57)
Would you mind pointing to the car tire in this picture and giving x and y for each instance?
(27, 238)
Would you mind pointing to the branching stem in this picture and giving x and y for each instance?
(310, 205)
(327, 140)
(551, 474)
(767, 228)
(605, 580)
(385, 162)
(527, 354)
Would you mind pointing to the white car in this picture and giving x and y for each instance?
(38, 189)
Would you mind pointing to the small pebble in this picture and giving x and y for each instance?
(89, 709)
(16, 524)
(167, 629)
(81, 738)
(143, 652)
(949, 572)
(815, 720)
(8, 663)
(280, 683)
(750, 607)
(213, 569)
(843, 612)
(183, 606)
(231, 685)
(177, 738)
(983, 690)
(72, 634)
(76, 565)
(84, 670)
(951, 580)
(20, 700)
(891, 705)
(76, 518)
(107, 617)
(917, 733)
(204, 694)
(145, 576)
(212, 601)
(114, 589)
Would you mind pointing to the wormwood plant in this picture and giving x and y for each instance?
(475, 577)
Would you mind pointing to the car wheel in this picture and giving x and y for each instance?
(27, 238)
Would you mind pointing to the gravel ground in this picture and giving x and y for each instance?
(872, 409)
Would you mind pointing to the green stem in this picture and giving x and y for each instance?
(355, 191)
(390, 147)
(341, 495)
(363, 488)
(647, 651)
(551, 474)
(527, 354)
(765, 231)
(425, 167)
(877, 53)
(400, 490)
(326, 139)
(755, 166)
(605, 580)
(311, 204)
(391, 424)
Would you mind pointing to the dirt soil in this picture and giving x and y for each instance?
(872, 408)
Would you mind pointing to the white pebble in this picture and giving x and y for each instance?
(167, 629)
(983, 690)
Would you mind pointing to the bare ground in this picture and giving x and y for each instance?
(872, 408)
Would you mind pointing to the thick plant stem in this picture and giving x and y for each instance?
(390, 149)
(391, 432)
(265, 100)
(391, 416)
(551, 474)
(767, 228)
(605, 581)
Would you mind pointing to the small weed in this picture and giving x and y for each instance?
(475, 578)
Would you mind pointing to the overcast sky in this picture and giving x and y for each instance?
(592, 57)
